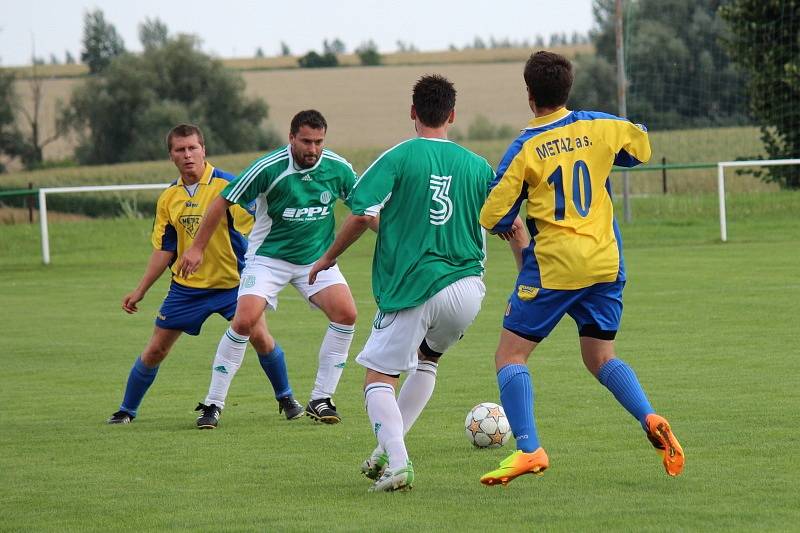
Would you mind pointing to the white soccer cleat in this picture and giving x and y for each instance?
(401, 479)
(374, 465)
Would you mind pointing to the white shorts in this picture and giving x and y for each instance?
(267, 276)
(392, 345)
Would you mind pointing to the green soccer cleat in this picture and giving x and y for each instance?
(374, 465)
(401, 479)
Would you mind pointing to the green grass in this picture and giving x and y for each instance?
(710, 329)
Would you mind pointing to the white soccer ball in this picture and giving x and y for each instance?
(486, 426)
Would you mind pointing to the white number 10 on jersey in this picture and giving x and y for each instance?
(443, 208)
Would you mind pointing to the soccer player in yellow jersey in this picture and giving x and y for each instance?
(573, 264)
(211, 289)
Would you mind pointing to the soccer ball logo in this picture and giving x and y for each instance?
(486, 426)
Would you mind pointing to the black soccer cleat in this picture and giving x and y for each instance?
(323, 410)
(209, 418)
(290, 407)
(121, 417)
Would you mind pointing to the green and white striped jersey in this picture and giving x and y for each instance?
(429, 193)
(294, 206)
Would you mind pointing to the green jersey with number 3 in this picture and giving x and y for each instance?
(294, 206)
(429, 193)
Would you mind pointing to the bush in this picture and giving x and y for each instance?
(314, 60)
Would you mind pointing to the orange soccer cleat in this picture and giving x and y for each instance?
(664, 441)
(517, 464)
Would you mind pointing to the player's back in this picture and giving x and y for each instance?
(561, 165)
(432, 191)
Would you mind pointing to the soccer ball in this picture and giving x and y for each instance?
(486, 426)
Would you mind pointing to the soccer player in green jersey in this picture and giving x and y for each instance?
(426, 272)
(295, 189)
(560, 166)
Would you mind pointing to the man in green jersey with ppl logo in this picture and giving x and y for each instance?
(426, 272)
(295, 189)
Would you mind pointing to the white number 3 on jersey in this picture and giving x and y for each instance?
(443, 208)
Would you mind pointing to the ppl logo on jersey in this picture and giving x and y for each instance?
(305, 213)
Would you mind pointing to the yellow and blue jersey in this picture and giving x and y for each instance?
(560, 165)
(178, 215)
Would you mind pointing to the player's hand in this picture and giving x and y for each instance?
(189, 262)
(517, 231)
(130, 301)
(323, 263)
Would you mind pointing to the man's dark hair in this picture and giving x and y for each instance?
(184, 130)
(434, 97)
(549, 79)
(311, 118)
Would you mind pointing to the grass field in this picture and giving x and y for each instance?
(710, 329)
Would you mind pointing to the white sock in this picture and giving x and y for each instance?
(332, 358)
(230, 354)
(387, 422)
(414, 395)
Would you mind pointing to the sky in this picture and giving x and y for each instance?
(236, 28)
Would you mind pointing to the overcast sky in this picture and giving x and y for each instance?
(236, 28)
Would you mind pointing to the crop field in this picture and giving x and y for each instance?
(710, 329)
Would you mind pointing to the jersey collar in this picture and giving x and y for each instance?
(546, 120)
(205, 179)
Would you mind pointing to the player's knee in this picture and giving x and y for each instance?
(345, 315)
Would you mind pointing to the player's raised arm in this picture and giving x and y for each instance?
(191, 258)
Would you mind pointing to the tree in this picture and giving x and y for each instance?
(101, 42)
(25, 143)
(69, 59)
(9, 133)
(314, 60)
(153, 33)
(334, 47)
(773, 81)
(368, 54)
(123, 113)
(679, 75)
(259, 52)
(595, 85)
(285, 51)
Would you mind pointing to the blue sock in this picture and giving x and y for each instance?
(516, 395)
(274, 365)
(621, 380)
(139, 380)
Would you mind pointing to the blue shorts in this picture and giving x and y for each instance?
(535, 312)
(186, 309)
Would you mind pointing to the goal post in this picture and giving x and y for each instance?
(90, 188)
(721, 166)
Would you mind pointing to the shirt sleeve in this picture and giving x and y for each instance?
(633, 145)
(373, 189)
(247, 186)
(508, 190)
(349, 180)
(164, 236)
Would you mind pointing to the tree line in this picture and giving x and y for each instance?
(687, 61)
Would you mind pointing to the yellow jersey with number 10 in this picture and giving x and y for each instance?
(560, 165)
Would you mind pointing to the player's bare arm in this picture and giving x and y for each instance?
(192, 258)
(158, 263)
(352, 228)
